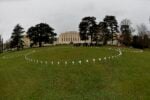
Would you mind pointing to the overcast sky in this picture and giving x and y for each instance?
(65, 15)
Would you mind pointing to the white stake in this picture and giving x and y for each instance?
(46, 62)
(94, 60)
(80, 62)
(73, 62)
(99, 59)
(87, 61)
(66, 62)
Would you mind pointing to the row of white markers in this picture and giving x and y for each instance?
(36, 61)
(11, 57)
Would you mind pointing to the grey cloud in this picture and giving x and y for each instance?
(10, 0)
(65, 15)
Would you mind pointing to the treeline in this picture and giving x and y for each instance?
(1, 44)
(99, 33)
(110, 30)
(39, 34)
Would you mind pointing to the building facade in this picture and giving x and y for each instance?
(73, 37)
(26, 41)
(69, 37)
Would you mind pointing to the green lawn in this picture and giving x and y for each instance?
(123, 78)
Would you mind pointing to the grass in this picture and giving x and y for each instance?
(123, 78)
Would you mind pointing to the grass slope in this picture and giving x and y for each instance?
(123, 78)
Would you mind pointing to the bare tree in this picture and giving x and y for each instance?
(142, 30)
(126, 22)
(143, 39)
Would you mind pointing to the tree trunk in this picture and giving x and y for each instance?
(112, 38)
(91, 39)
(105, 42)
(96, 42)
(40, 44)
(17, 48)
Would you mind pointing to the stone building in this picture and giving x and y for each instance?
(74, 37)
(26, 41)
(69, 37)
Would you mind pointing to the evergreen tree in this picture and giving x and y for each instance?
(104, 32)
(112, 25)
(126, 31)
(126, 35)
(87, 28)
(16, 38)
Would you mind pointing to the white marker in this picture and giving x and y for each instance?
(52, 62)
(87, 61)
(66, 62)
(73, 62)
(94, 60)
(99, 59)
(80, 62)
(46, 62)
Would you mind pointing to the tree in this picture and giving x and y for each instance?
(7, 45)
(41, 33)
(145, 41)
(97, 33)
(16, 38)
(143, 34)
(112, 25)
(103, 33)
(142, 30)
(141, 42)
(1, 44)
(126, 22)
(87, 28)
(126, 31)
(135, 42)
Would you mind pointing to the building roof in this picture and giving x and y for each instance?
(70, 32)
